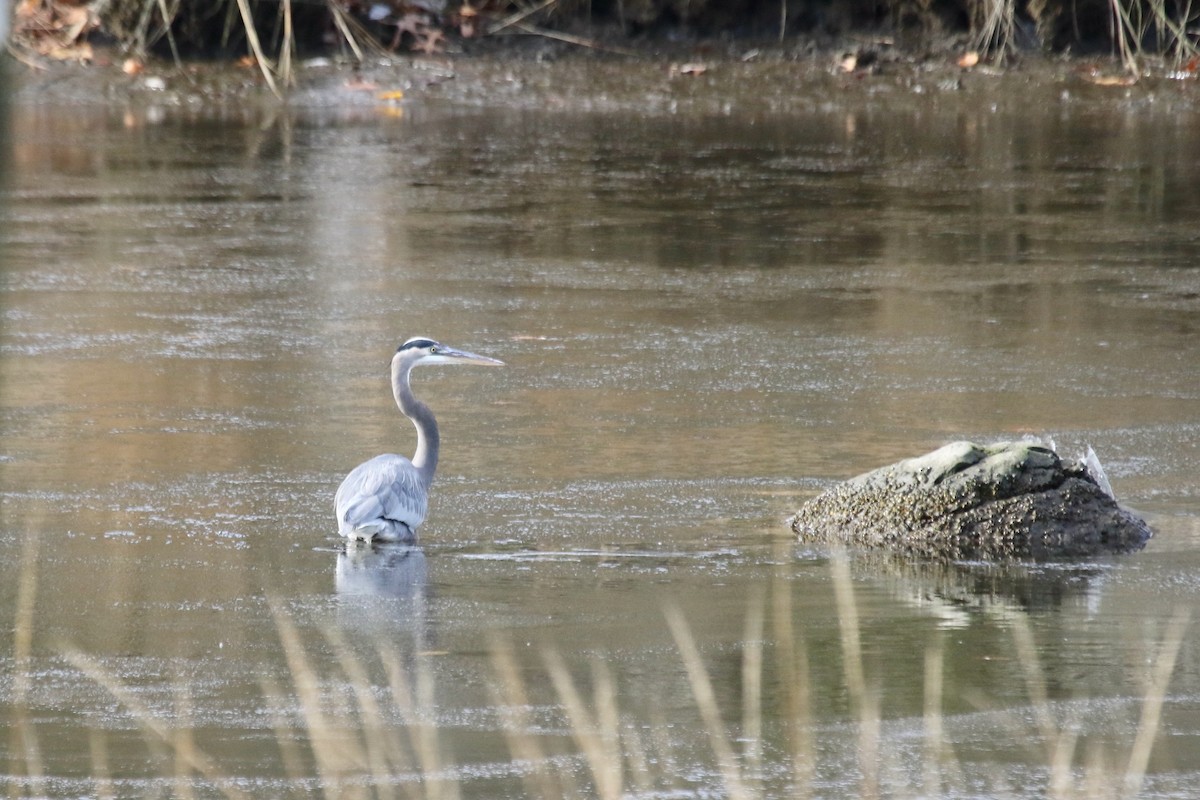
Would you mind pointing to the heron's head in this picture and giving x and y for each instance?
(421, 350)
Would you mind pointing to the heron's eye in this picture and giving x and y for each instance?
(433, 349)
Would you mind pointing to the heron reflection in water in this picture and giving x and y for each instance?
(386, 570)
(383, 593)
(385, 499)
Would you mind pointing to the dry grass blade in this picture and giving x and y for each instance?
(865, 707)
(1035, 683)
(1061, 779)
(706, 700)
(852, 659)
(639, 764)
(378, 739)
(433, 763)
(752, 683)
(1125, 35)
(1164, 665)
(794, 667)
(935, 737)
(1182, 36)
(330, 754)
(190, 755)
(663, 749)
(167, 17)
(339, 19)
(184, 744)
(998, 31)
(289, 751)
(608, 720)
(508, 693)
(98, 749)
(599, 746)
(416, 702)
(289, 36)
(24, 736)
(256, 47)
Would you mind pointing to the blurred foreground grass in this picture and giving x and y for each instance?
(344, 734)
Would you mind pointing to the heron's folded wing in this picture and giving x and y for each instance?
(386, 487)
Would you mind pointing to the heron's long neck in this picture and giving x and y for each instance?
(426, 457)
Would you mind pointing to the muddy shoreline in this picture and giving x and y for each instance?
(751, 83)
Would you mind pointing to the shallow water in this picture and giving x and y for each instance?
(707, 317)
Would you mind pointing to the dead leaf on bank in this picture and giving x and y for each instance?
(467, 19)
(848, 62)
(691, 68)
(54, 29)
(391, 96)
(133, 66)
(411, 23)
(357, 84)
(76, 52)
(431, 42)
(1109, 80)
(968, 59)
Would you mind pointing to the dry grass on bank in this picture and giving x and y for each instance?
(269, 32)
(349, 736)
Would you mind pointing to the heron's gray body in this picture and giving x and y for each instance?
(385, 499)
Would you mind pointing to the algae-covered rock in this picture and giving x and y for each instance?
(971, 501)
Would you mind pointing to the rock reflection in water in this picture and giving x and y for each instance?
(960, 593)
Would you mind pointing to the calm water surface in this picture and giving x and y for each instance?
(707, 318)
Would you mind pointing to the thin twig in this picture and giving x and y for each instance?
(513, 19)
(572, 39)
(167, 18)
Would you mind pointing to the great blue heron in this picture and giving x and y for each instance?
(385, 499)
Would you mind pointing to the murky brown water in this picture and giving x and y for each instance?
(707, 317)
